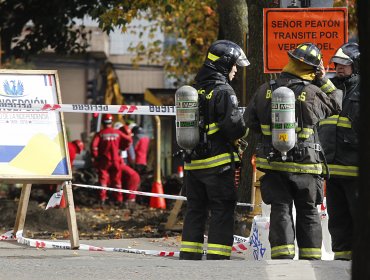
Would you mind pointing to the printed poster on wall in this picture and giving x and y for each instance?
(32, 143)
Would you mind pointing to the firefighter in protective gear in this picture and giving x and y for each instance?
(210, 167)
(298, 178)
(105, 149)
(339, 136)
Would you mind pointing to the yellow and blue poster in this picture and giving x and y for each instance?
(32, 143)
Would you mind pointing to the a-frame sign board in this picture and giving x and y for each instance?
(33, 144)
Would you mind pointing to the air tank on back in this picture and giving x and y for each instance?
(283, 120)
(187, 117)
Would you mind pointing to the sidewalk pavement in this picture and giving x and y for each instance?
(23, 262)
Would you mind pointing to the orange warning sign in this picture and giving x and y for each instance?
(284, 29)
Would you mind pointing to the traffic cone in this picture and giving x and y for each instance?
(157, 202)
(63, 203)
(180, 171)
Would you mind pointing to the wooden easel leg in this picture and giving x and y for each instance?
(22, 208)
(173, 215)
(71, 216)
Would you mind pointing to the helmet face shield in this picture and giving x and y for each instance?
(242, 59)
(341, 58)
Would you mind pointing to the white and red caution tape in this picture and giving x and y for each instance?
(178, 197)
(55, 200)
(240, 245)
(7, 236)
(168, 196)
(93, 108)
(89, 108)
(45, 244)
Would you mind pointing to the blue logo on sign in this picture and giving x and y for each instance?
(13, 88)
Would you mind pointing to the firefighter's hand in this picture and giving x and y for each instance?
(320, 73)
(241, 144)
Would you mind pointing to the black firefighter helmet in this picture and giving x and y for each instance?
(222, 55)
(348, 54)
(307, 53)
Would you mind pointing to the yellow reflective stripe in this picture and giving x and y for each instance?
(215, 252)
(343, 170)
(266, 129)
(210, 162)
(191, 247)
(343, 255)
(191, 250)
(331, 120)
(310, 253)
(311, 168)
(306, 133)
(344, 122)
(328, 87)
(336, 120)
(213, 128)
(212, 57)
(218, 249)
(283, 250)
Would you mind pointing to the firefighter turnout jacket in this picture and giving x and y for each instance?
(312, 105)
(222, 123)
(339, 133)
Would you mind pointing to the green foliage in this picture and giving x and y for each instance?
(28, 27)
(192, 25)
(352, 13)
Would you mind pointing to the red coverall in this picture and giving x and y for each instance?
(141, 150)
(130, 178)
(141, 146)
(72, 149)
(105, 148)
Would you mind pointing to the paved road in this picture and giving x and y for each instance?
(23, 262)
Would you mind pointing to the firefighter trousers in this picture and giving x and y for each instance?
(281, 190)
(341, 197)
(209, 192)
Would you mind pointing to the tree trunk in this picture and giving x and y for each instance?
(241, 22)
(254, 78)
(361, 246)
(233, 26)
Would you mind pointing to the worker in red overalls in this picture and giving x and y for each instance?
(141, 143)
(130, 178)
(105, 149)
(75, 147)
